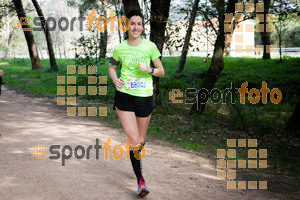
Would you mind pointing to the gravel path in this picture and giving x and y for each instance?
(170, 172)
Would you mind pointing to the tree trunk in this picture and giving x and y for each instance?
(39, 11)
(118, 15)
(293, 123)
(280, 51)
(167, 38)
(65, 52)
(217, 63)
(227, 49)
(59, 51)
(103, 35)
(188, 37)
(34, 56)
(280, 41)
(41, 53)
(158, 21)
(265, 36)
(130, 5)
(11, 33)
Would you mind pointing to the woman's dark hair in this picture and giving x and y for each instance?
(134, 13)
(131, 14)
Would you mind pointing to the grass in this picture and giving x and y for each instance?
(207, 132)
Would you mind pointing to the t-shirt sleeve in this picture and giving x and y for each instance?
(116, 55)
(154, 52)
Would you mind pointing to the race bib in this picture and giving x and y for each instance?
(136, 83)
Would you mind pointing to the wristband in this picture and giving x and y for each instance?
(152, 70)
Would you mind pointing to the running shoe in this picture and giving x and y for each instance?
(142, 189)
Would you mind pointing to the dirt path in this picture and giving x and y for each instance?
(170, 172)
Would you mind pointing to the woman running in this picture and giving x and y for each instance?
(134, 91)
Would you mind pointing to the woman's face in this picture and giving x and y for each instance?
(135, 27)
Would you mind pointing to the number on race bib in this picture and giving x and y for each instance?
(138, 83)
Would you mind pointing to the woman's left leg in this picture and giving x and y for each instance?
(143, 123)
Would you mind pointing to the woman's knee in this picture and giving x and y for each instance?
(134, 140)
(142, 140)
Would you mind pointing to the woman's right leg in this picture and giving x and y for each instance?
(129, 123)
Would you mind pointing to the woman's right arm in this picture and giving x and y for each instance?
(119, 82)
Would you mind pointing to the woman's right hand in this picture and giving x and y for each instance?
(119, 83)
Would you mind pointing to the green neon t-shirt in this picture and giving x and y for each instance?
(137, 82)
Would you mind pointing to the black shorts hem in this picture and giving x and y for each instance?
(141, 106)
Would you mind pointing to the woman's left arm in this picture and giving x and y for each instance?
(159, 69)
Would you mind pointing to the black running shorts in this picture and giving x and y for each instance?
(141, 106)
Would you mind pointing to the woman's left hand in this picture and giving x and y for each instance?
(144, 68)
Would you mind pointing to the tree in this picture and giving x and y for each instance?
(158, 21)
(265, 36)
(45, 26)
(84, 6)
(290, 31)
(103, 35)
(7, 14)
(217, 63)
(285, 12)
(86, 49)
(10, 35)
(119, 12)
(293, 123)
(130, 5)
(188, 37)
(35, 60)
